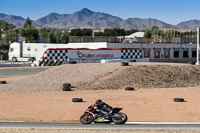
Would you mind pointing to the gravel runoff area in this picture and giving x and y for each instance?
(53, 78)
(108, 76)
(157, 104)
(93, 131)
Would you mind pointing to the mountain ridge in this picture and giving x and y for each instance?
(84, 18)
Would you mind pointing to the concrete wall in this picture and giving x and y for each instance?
(183, 60)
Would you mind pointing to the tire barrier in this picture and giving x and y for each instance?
(2, 82)
(179, 100)
(132, 60)
(72, 62)
(129, 88)
(66, 87)
(192, 62)
(47, 62)
(77, 100)
(124, 63)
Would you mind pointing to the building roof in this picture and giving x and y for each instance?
(136, 35)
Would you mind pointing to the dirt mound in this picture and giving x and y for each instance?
(108, 76)
(152, 76)
(53, 78)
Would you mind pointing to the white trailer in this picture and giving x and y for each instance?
(34, 51)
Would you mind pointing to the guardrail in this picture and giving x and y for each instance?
(15, 64)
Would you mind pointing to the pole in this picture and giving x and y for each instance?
(198, 37)
(93, 28)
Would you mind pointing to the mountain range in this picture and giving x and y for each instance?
(84, 19)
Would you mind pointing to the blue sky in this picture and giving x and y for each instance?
(169, 11)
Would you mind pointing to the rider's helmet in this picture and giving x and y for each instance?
(98, 102)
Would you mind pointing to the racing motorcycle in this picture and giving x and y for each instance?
(95, 115)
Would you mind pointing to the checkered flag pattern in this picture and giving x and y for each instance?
(131, 53)
(55, 54)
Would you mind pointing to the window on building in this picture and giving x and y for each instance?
(176, 54)
(194, 54)
(185, 54)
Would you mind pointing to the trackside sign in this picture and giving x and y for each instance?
(83, 53)
(90, 55)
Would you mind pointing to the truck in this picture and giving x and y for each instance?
(29, 51)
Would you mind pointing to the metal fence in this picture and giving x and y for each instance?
(115, 39)
(78, 39)
(165, 40)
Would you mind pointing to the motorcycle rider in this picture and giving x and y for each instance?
(102, 108)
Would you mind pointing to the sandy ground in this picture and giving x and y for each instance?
(93, 131)
(10, 79)
(20, 99)
(143, 105)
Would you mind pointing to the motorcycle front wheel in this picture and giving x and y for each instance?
(86, 118)
(122, 120)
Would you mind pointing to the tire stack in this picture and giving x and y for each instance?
(66, 87)
(2, 82)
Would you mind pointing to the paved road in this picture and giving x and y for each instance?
(20, 72)
(135, 125)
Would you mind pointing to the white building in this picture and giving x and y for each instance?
(133, 37)
(161, 50)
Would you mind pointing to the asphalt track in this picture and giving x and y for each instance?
(106, 126)
(11, 72)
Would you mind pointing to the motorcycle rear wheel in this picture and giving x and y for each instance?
(122, 120)
(86, 118)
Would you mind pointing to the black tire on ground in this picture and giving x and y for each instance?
(178, 99)
(124, 63)
(132, 60)
(66, 85)
(72, 62)
(66, 89)
(2, 82)
(77, 100)
(191, 62)
(129, 88)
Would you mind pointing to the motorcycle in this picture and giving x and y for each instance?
(95, 115)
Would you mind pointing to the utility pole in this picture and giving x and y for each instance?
(93, 27)
(198, 37)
